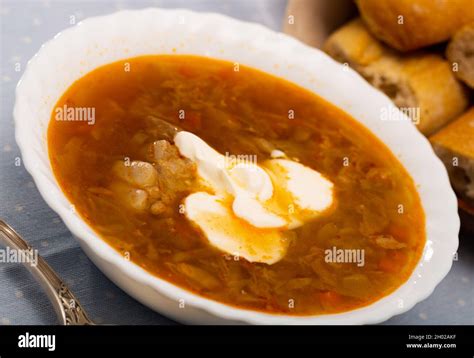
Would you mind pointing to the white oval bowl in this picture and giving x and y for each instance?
(101, 40)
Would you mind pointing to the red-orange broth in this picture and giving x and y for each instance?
(247, 111)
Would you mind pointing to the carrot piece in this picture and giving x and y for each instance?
(330, 299)
(393, 262)
(194, 119)
(187, 71)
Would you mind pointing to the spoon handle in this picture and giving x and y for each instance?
(67, 307)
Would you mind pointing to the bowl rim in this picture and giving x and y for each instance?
(364, 315)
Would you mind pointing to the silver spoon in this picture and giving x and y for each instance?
(67, 307)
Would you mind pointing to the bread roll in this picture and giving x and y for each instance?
(417, 81)
(454, 144)
(412, 24)
(312, 21)
(460, 51)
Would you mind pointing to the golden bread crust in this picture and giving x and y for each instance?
(412, 24)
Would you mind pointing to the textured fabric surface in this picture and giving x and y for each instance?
(24, 26)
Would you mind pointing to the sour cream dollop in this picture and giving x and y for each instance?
(250, 207)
